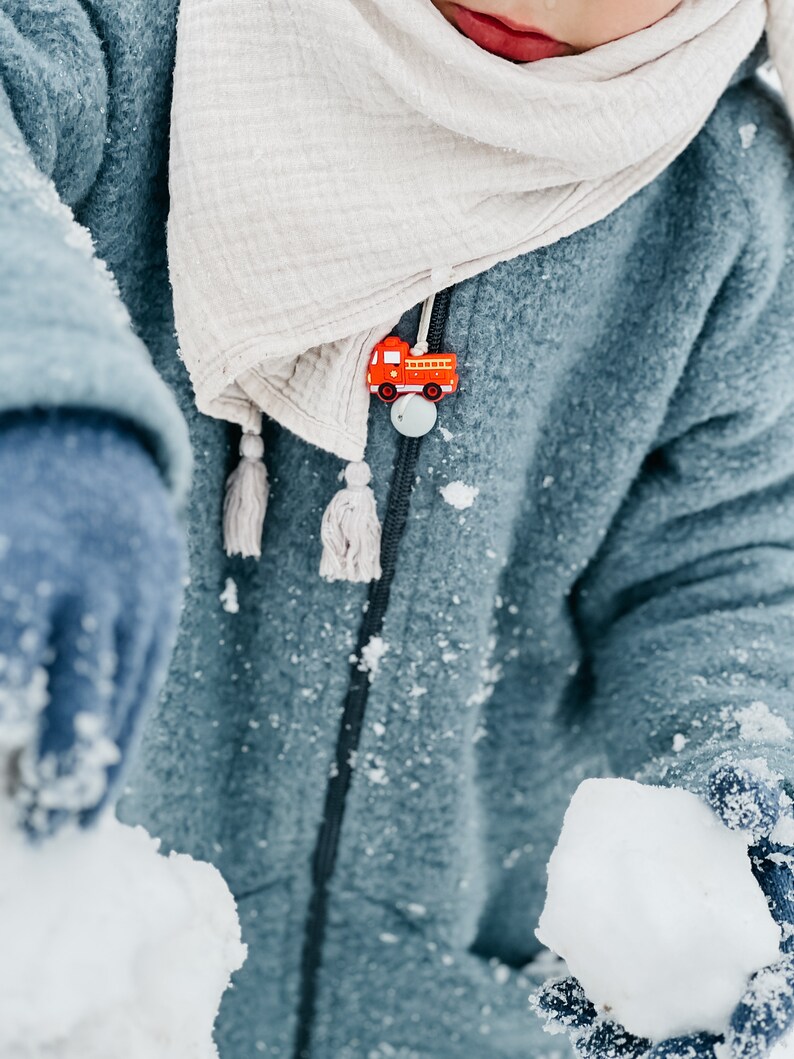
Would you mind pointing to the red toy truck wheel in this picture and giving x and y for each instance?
(387, 392)
(433, 391)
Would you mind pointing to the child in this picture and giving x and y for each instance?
(584, 566)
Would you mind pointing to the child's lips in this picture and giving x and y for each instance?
(505, 38)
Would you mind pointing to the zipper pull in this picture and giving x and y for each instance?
(413, 416)
(411, 378)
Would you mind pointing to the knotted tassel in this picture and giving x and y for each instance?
(351, 531)
(245, 502)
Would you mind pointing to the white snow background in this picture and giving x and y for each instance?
(109, 950)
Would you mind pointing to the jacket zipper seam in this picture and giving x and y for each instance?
(355, 703)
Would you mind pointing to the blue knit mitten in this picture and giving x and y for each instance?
(765, 1014)
(91, 564)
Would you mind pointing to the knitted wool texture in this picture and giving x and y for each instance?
(89, 517)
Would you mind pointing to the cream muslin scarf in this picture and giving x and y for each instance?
(335, 162)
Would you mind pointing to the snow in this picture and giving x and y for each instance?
(415, 909)
(20, 171)
(371, 654)
(104, 941)
(228, 597)
(747, 134)
(652, 903)
(20, 705)
(459, 495)
(783, 833)
(758, 723)
(376, 771)
(41, 784)
(785, 1049)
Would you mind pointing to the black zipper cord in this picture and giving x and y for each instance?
(324, 860)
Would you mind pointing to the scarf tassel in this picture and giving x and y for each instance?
(351, 531)
(245, 503)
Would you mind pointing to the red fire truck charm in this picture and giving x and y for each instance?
(393, 370)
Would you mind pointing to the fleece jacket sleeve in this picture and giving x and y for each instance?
(65, 336)
(687, 613)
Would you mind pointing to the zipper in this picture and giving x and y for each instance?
(326, 848)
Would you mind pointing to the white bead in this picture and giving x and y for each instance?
(413, 415)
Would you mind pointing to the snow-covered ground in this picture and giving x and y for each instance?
(109, 949)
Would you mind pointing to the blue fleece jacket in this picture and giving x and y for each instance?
(619, 598)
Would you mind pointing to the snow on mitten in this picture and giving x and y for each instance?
(563, 1005)
(746, 800)
(749, 801)
(91, 560)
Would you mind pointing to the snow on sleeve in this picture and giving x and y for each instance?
(783, 833)
(758, 723)
(652, 903)
(106, 940)
(679, 742)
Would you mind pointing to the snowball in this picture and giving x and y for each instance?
(652, 903)
(785, 1049)
(783, 833)
(106, 941)
(459, 495)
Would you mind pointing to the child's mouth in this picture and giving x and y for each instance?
(523, 44)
